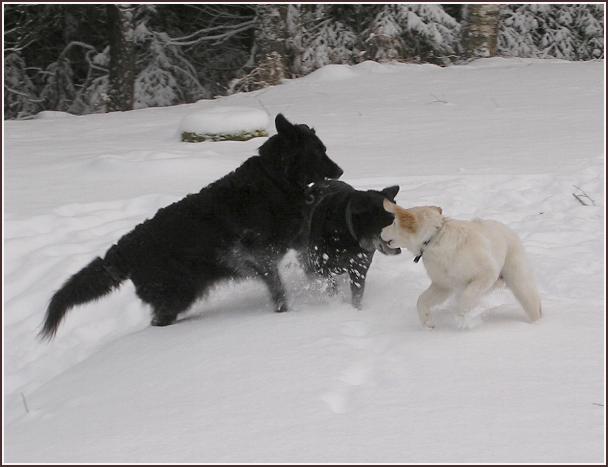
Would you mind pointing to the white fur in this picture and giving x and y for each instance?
(468, 258)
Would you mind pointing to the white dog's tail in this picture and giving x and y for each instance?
(519, 278)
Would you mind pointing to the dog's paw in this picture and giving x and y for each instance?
(467, 321)
(282, 308)
(161, 321)
(426, 320)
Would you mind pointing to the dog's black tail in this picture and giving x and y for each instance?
(93, 281)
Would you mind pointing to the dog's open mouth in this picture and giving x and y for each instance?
(385, 248)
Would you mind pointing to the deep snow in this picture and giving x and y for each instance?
(232, 381)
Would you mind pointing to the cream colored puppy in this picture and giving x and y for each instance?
(468, 258)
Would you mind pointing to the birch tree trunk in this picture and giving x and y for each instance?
(122, 57)
(480, 30)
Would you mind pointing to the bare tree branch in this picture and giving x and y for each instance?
(19, 93)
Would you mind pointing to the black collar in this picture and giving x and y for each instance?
(349, 220)
(315, 206)
(426, 243)
(312, 201)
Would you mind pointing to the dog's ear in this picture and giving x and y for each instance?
(389, 207)
(284, 127)
(437, 208)
(391, 191)
(406, 219)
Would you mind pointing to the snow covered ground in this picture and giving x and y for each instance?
(234, 382)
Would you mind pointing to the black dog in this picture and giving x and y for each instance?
(343, 233)
(237, 227)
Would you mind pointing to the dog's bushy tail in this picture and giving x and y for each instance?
(520, 280)
(93, 281)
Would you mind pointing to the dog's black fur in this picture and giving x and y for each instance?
(237, 227)
(343, 232)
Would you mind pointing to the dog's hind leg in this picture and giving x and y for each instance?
(499, 284)
(269, 273)
(520, 280)
(165, 312)
(432, 296)
(167, 300)
(471, 294)
(163, 316)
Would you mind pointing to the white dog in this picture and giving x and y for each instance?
(466, 257)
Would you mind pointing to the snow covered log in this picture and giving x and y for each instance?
(224, 124)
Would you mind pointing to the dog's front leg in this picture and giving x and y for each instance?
(432, 296)
(357, 287)
(269, 273)
(357, 274)
(331, 285)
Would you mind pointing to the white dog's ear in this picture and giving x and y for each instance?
(406, 219)
(388, 206)
(437, 208)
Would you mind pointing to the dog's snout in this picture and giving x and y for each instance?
(333, 169)
(337, 172)
(391, 244)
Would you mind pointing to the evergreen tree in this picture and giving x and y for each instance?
(20, 98)
(569, 32)
(164, 75)
(589, 25)
(421, 33)
(58, 91)
(269, 54)
(92, 95)
(319, 37)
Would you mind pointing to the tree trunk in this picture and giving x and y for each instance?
(122, 57)
(270, 40)
(480, 30)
